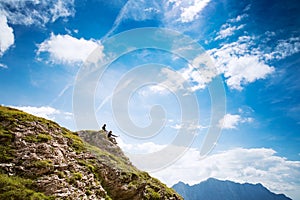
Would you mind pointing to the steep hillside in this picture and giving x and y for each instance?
(41, 160)
(213, 189)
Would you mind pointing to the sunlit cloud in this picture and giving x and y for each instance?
(239, 64)
(238, 18)
(191, 12)
(36, 12)
(228, 30)
(67, 49)
(46, 112)
(285, 48)
(6, 35)
(3, 66)
(141, 148)
(230, 121)
(259, 165)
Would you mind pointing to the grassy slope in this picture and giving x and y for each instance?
(120, 179)
(15, 187)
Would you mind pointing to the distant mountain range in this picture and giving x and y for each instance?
(214, 189)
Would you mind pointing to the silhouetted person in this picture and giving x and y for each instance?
(104, 128)
(111, 137)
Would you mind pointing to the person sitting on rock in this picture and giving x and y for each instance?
(111, 138)
(104, 128)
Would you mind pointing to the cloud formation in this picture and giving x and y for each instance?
(240, 63)
(228, 30)
(284, 48)
(46, 112)
(67, 49)
(3, 66)
(191, 12)
(256, 165)
(230, 121)
(200, 72)
(142, 148)
(61, 117)
(169, 12)
(39, 13)
(36, 12)
(6, 35)
(241, 58)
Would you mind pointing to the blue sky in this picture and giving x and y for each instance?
(253, 48)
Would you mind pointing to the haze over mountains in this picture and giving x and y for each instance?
(214, 189)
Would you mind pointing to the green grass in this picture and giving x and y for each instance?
(16, 188)
(43, 164)
(13, 115)
(110, 159)
(6, 138)
(151, 194)
(77, 175)
(107, 197)
(75, 141)
(41, 137)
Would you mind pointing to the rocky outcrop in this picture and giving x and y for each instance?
(51, 162)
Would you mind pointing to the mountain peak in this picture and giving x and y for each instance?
(214, 189)
(41, 160)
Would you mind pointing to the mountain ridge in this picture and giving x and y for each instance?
(214, 189)
(41, 160)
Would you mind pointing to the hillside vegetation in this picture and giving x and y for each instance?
(41, 160)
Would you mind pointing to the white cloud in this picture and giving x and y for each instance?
(170, 12)
(190, 127)
(67, 49)
(136, 10)
(176, 126)
(62, 8)
(173, 81)
(141, 148)
(247, 59)
(230, 121)
(254, 165)
(189, 79)
(191, 12)
(200, 72)
(6, 35)
(43, 111)
(3, 66)
(238, 18)
(154, 89)
(37, 12)
(243, 70)
(285, 48)
(239, 63)
(231, 27)
(270, 34)
(61, 117)
(228, 30)
(259, 165)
